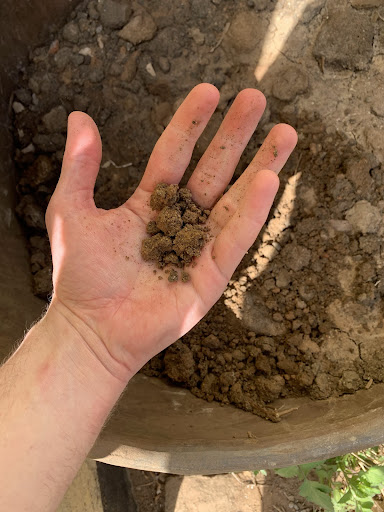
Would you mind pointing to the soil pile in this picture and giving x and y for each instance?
(303, 314)
(178, 233)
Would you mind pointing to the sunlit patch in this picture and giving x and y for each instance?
(268, 248)
(283, 21)
(58, 242)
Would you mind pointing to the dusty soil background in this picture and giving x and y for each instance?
(303, 314)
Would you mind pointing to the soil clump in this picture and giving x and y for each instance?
(178, 233)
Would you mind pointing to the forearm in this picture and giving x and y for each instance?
(55, 396)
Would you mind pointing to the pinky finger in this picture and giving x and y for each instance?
(242, 229)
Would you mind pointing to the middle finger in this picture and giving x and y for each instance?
(216, 167)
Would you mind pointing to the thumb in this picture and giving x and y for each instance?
(81, 162)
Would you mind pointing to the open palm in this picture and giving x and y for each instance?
(102, 284)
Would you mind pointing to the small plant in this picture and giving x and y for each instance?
(340, 484)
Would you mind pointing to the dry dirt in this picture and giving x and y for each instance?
(303, 312)
(245, 492)
(177, 234)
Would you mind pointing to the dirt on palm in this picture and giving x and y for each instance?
(178, 232)
(303, 313)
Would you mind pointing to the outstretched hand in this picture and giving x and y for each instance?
(102, 286)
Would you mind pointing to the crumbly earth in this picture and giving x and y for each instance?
(178, 233)
(303, 313)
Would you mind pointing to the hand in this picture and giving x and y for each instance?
(102, 286)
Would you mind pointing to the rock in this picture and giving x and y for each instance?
(324, 384)
(209, 384)
(42, 283)
(55, 120)
(257, 317)
(346, 49)
(161, 114)
(24, 96)
(31, 213)
(71, 32)
(114, 13)
(49, 143)
(179, 362)
(96, 75)
(227, 92)
(93, 10)
(350, 382)
(164, 64)
(130, 68)
(377, 101)
(366, 4)
(373, 142)
(150, 70)
(369, 244)
(338, 348)
(38, 259)
(40, 171)
(17, 107)
(364, 217)
(269, 388)
(296, 256)
(359, 173)
(342, 226)
(54, 47)
(373, 356)
(292, 82)
(238, 355)
(211, 342)
(308, 346)
(197, 36)
(81, 102)
(41, 243)
(62, 58)
(140, 28)
(28, 149)
(246, 32)
(312, 10)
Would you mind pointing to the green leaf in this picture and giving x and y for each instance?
(317, 493)
(325, 474)
(304, 469)
(366, 505)
(261, 471)
(289, 472)
(347, 496)
(368, 488)
(375, 475)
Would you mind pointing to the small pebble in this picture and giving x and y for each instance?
(150, 69)
(17, 107)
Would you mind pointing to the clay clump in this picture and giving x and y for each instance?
(179, 233)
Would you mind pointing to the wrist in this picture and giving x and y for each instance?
(56, 386)
(75, 349)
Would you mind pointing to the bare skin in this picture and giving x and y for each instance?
(100, 279)
(109, 314)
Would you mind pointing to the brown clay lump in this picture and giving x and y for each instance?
(164, 195)
(178, 234)
(188, 242)
(154, 248)
(169, 221)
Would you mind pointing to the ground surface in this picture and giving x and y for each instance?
(303, 313)
(103, 488)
